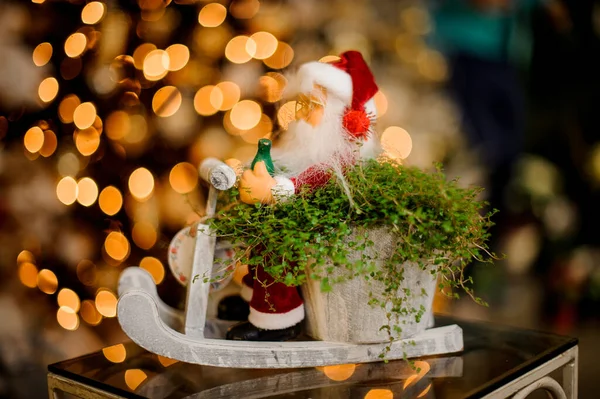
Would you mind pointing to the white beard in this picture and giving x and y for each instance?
(303, 146)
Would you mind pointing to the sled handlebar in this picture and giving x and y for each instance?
(217, 174)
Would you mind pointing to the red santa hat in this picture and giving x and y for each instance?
(349, 79)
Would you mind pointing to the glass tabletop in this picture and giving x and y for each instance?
(493, 356)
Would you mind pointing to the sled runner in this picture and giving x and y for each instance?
(189, 337)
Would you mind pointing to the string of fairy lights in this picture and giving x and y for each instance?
(173, 92)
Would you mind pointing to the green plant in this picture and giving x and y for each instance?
(435, 222)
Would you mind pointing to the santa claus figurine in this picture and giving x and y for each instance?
(333, 130)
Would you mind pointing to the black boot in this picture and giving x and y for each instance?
(245, 331)
(233, 308)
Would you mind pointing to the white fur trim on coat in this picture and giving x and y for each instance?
(336, 81)
(276, 321)
(283, 188)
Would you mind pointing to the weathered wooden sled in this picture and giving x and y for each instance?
(188, 337)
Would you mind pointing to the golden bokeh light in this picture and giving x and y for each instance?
(432, 65)
(86, 272)
(230, 93)
(116, 246)
(33, 139)
(115, 354)
(425, 391)
(216, 98)
(93, 12)
(140, 53)
(28, 274)
(154, 267)
(66, 190)
(202, 101)
(117, 125)
(263, 129)
(244, 9)
(110, 200)
(89, 314)
(212, 15)
(87, 141)
(47, 281)
(69, 299)
(339, 372)
(106, 303)
(138, 129)
(246, 114)
(156, 65)
(165, 361)
(330, 58)
(379, 394)
(134, 377)
(25, 256)
(240, 49)
(50, 144)
(87, 191)
(144, 235)
(286, 114)
(67, 107)
(381, 103)
(283, 56)
(67, 318)
(183, 177)
(265, 44)
(75, 45)
(141, 184)
(84, 115)
(396, 142)
(42, 54)
(179, 55)
(166, 101)
(272, 85)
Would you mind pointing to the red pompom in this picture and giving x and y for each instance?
(357, 123)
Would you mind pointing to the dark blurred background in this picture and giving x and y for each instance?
(107, 108)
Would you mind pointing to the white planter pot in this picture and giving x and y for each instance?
(344, 315)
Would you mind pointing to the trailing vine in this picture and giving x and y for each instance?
(438, 226)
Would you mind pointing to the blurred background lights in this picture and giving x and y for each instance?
(28, 274)
(68, 164)
(166, 101)
(86, 272)
(202, 101)
(330, 58)
(33, 139)
(286, 114)
(87, 141)
(141, 183)
(265, 44)
(339, 372)
(25, 256)
(67, 107)
(144, 235)
(272, 85)
(67, 190)
(230, 95)
(240, 49)
(154, 267)
(116, 246)
(212, 15)
(42, 54)
(246, 114)
(134, 377)
(106, 303)
(140, 53)
(87, 191)
(156, 65)
(381, 103)
(50, 144)
(93, 12)
(115, 354)
(281, 58)
(379, 394)
(47, 281)
(84, 115)
(396, 142)
(179, 55)
(68, 298)
(67, 318)
(110, 200)
(89, 314)
(75, 45)
(117, 125)
(183, 177)
(244, 9)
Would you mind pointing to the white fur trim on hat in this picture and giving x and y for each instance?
(276, 321)
(283, 188)
(336, 81)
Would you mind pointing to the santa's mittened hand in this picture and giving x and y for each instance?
(255, 185)
(283, 189)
